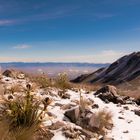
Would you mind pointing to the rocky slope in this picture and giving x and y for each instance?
(66, 122)
(123, 70)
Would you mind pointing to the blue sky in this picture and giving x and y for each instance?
(97, 31)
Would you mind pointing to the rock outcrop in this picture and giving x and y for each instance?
(14, 74)
(109, 94)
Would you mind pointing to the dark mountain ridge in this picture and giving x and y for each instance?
(125, 69)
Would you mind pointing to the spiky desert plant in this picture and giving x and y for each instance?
(23, 116)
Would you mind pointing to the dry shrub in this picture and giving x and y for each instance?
(62, 82)
(104, 119)
(18, 134)
(24, 133)
(84, 103)
(42, 81)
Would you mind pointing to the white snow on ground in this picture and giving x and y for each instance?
(126, 128)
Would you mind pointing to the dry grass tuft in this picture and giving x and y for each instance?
(104, 120)
(83, 103)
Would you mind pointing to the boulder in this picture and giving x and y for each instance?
(109, 94)
(14, 74)
(9, 73)
(120, 100)
(89, 120)
(108, 88)
(137, 112)
(21, 76)
(107, 97)
(73, 114)
(137, 101)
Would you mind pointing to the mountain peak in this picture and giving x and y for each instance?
(123, 70)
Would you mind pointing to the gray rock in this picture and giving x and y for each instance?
(120, 100)
(109, 88)
(126, 131)
(137, 112)
(9, 73)
(121, 118)
(126, 107)
(137, 101)
(73, 114)
(95, 106)
(109, 94)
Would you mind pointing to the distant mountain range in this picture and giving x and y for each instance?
(50, 64)
(123, 70)
(52, 69)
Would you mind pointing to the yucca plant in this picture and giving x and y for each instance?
(22, 116)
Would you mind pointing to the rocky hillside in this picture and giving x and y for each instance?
(123, 70)
(68, 114)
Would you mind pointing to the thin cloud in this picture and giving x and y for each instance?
(7, 22)
(104, 15)
(136, 29)
(57, 13)
(23, 46)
